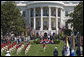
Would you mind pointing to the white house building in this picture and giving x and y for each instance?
(46, 16)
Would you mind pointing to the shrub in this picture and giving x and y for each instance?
(67, 32)
(56, 41)
(59, 35)
(32, 42)
(37, 41)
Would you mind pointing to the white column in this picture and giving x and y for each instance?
(34, 19)
(57, 20)
(49, 18)
(29, 18)
(61, 19)
(41, 19)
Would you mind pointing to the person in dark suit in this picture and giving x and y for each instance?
(55, 52)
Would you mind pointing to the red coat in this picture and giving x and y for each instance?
(8, 43)
(43, 45)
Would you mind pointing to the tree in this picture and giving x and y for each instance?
(77, 18)
(11, 18)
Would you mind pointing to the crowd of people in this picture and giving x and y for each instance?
(17, 39)
(45, 38)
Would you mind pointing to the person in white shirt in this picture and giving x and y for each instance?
(26, 38)
(49, 36)
(8, 53)
(20, 39)
(15, 39)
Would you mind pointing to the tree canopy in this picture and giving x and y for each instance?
(11, 18)
(77, 18)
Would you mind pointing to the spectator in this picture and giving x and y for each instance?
(79, 51)
(52, 41)
(63, 51)
(49, 36)
(67, 51)
(18, 40)
(55, 52)
(41, 41)
(22, 38)
(47, 41)
(37, 35)
(26, 39)
(72, 52)
(15, 39)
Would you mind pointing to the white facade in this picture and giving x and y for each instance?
(46, 16)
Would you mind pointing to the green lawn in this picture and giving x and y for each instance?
(37, 50)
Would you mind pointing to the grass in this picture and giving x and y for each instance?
(37, 50)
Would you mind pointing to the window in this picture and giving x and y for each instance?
(53, 12)
(24, 13)
(45, 12)
(32, 12)
(38, 12)
(45, 23)
(59, 12)
(66, 13)
(32, 24)
(45, 27)
(58, 24)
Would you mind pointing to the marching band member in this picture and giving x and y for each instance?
(44, 47)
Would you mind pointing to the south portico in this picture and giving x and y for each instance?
(44, 22)
(45, 17)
